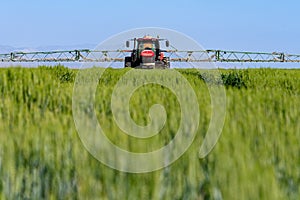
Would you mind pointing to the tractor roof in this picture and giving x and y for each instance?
(147, 38)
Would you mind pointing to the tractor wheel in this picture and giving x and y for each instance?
(167, 62)
(127, 62)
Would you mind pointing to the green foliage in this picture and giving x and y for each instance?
(233, 79)
(257, 156)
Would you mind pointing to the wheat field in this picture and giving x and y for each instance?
(256, 157)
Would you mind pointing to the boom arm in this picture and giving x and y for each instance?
(86, 55)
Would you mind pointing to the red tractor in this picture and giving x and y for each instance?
(146, 54)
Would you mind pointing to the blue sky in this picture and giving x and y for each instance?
(254, 25)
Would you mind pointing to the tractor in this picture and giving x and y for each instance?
(146, 54)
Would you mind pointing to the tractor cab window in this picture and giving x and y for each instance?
(147, 46)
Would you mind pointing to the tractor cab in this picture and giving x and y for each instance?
(147, 44)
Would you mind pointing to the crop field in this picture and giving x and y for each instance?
(256, 157)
